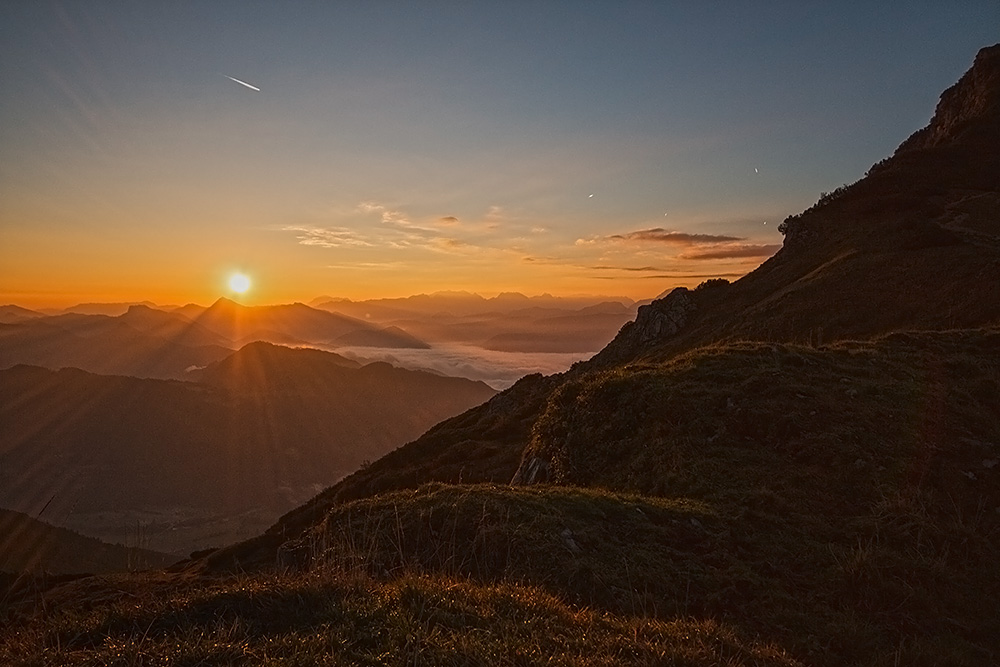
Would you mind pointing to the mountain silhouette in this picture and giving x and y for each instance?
(264, 429)
(171, 326)
(30, 545)
(391, 336)
(11, 314)
(509, 322)
(915, 244)
(149, 342)
(124, 345)
(294, 324)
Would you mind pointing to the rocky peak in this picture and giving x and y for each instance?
(975, 97)
(654, 323)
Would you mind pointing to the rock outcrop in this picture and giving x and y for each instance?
(659, 320)
(975, 97)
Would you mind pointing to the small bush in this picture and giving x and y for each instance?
(712, 283)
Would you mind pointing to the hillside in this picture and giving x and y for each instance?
(915, 244)
(266, 428)
(865, 474)
(801, 467)
(29, 545)
(893, 287)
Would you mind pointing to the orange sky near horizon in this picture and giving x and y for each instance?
(390, 149)
(40, 277)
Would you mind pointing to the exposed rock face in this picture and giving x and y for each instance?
(653, 323)
(942, 174)
(533, 470)
(975, 97)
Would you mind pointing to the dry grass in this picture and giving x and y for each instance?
(337, 619)
(744, 504)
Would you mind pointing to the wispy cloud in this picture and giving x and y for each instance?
(749, 251)
(674, 276)
(451, 244)
(625, 268)
(544, 260)
(659, 271)
(688, 246)
(367, 265)
(326, 237)
(395, 230)
(661, 235)
(389, 216)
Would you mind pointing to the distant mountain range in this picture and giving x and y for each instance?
(458, 304)
(145, 340)
(148, 342)
(509, 322)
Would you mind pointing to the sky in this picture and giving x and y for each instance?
(395, 148)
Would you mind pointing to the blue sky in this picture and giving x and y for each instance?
(400, 147)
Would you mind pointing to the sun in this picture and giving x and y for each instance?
(239, 282)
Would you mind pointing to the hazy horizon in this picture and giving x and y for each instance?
(247, 299)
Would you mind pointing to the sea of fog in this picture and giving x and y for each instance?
(497, 369)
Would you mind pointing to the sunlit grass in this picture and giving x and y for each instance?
(339, 619)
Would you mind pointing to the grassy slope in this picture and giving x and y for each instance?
(334, 619)
(483, 444)
(267, 421)
(840, 501)
(29, 545)
(836, 505)
(864, 474)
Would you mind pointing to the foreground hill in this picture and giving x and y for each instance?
(266, 428)
(795, 505)
(733, 480)
(29, 545)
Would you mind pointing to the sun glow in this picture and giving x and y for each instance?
(239, 282)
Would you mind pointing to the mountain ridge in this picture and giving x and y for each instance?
(780, 301)
(808, 457)
(33, 546)
(260, 431)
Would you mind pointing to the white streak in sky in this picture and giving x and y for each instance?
(242, 83)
